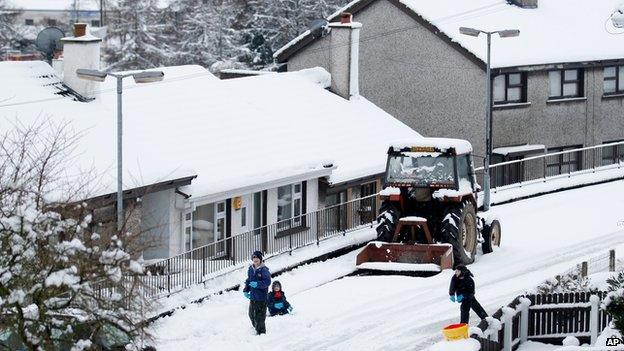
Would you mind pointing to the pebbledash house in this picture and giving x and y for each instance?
(559, 85)
(206, 159)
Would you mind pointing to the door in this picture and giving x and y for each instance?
(220, 228)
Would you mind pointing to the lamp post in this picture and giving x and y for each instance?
(139, 77)
(507, 33)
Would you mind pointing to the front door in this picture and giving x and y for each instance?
(220, 228)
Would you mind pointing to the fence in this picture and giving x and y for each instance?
(552, 316)
(556, 164)
(195, 266)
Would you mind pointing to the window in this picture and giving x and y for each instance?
(95, 23)
(613, 80)
(51, 22)
(509, 88)
(563, 163)
(289, 205)
(367, 207)
(206, 225)
(612, 154)
(566, 83)
(29, 22)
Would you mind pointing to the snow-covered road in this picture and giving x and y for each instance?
(542, 236)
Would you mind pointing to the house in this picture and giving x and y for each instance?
(57, 13)
(557, 86)
(206, 159)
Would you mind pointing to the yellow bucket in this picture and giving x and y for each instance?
(455, 332)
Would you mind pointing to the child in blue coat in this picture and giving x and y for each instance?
(256, 289)
(276, 300)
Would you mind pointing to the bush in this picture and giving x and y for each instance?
(613, 303)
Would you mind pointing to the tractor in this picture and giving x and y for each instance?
(428, 216)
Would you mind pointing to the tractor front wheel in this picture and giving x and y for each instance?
(491, 236)
(388, 218)
(459, 228)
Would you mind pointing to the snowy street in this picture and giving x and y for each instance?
(541, 237)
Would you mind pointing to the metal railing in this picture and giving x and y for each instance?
(202, 263)
(556, 164)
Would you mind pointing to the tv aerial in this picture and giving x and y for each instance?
(49, 41)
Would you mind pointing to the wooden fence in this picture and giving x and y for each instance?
(546, 318)
(549, 318)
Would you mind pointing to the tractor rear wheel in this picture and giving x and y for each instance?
(459, 228)
(388, 218)
(491, 236)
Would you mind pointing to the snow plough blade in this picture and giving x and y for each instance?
(397, 258)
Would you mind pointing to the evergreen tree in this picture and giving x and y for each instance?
(140, 35)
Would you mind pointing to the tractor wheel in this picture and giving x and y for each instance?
(459, 228)
(491, 236)
(388, 218)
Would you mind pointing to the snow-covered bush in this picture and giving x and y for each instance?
(572, 281)
(62, 284)
(613, 303)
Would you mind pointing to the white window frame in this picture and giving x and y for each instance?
(295, 220)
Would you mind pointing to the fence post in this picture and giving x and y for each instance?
(611, 260)
(524, 323)
(593, 317)
(584, 269)
(168, 277)
(544, 159)
(507, 334)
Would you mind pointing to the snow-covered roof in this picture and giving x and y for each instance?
(557, 31)
(231, 133)
(524, 149)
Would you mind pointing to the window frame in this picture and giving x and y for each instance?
(294, 222)
(522, 85)
(29, 22)
(615, 157)
(579, 81)
(619, 86)
(561, 162)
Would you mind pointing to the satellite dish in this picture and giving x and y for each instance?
(318, 28)
(49, 41)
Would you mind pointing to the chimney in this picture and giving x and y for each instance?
(344, 56)
(525, 4)
(81, 51)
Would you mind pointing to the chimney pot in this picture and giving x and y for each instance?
(80, 29)
(345, 17)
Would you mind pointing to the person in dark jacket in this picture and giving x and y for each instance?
(462, 290)
(256, 290)
(276, 300)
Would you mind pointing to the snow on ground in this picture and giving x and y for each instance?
(237, 274)
(542, 236)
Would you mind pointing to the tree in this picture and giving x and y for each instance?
(141, 35)
(63, 282)
(11, 36)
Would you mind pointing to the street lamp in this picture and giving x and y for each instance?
(507, 33)
(139, 77)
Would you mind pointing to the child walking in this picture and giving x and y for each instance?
(256, 289)
(463, 286)
(276, 300)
